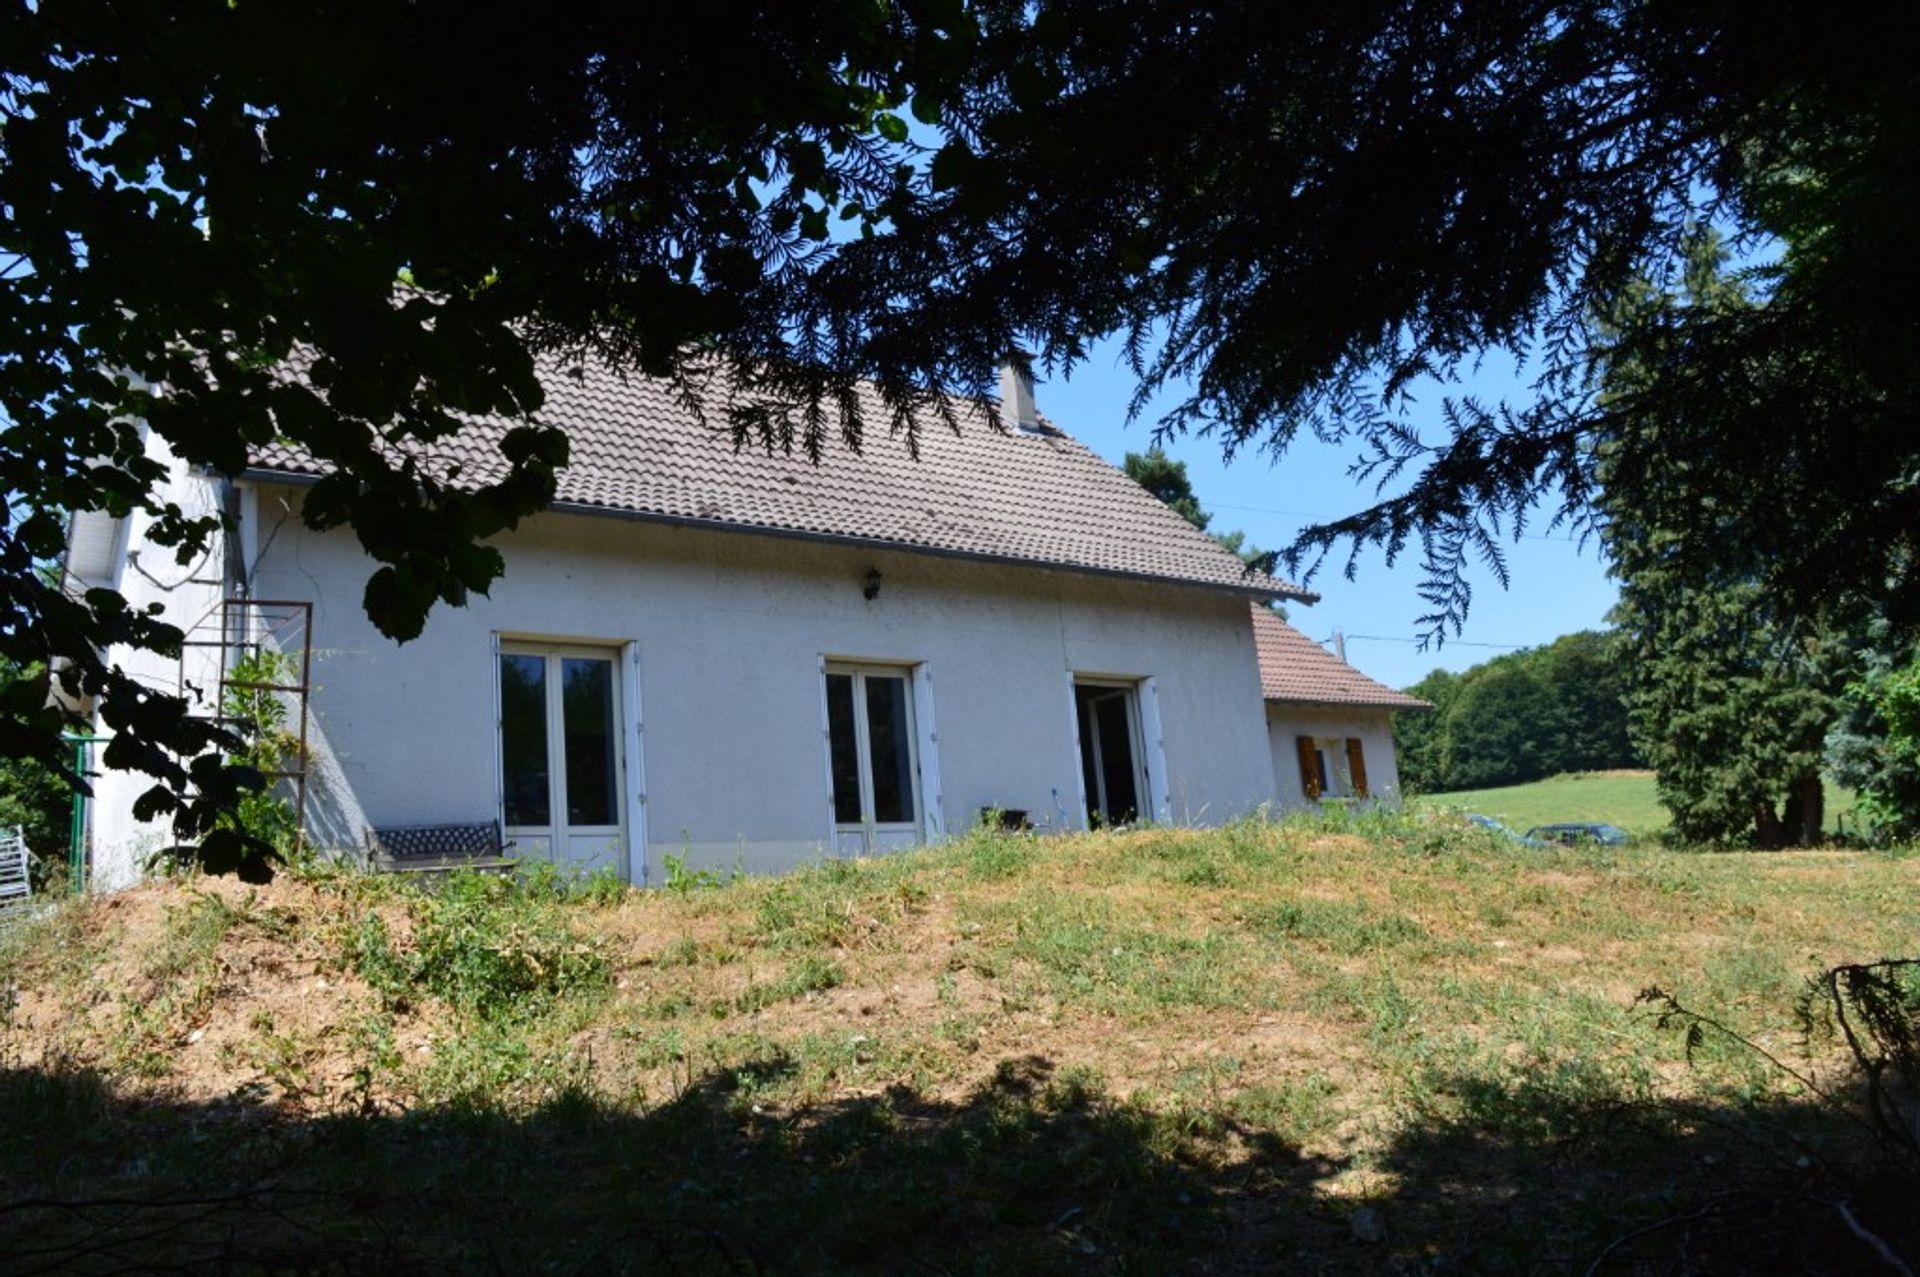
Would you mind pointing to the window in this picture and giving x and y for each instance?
(1332, 767)
(870, 741)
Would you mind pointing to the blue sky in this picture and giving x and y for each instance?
(1557, 586)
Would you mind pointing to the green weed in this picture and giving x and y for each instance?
(485, 945)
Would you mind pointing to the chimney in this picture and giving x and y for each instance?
(1016, 393)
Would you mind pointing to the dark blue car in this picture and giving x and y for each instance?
(1578, 833)
(1488, 822)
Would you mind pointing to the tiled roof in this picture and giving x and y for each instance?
(1042, 498)
(1295, 668)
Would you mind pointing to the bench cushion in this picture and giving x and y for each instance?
(428, 848)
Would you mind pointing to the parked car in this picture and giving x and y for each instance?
(1576, 833)
(1488, 822)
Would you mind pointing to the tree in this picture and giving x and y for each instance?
(1295, 215)
(1536, 712)
(33, 798)
(1732, 689)
(1874, 745)
(1731, 707)
(1167, 479)
(1420, 737)
(1498, 727)
(1588, 673)
(1300, 211)
(302, 229)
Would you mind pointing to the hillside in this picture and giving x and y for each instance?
(1382, 1046)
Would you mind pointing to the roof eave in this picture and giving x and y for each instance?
(296, 478)
(1419, 706)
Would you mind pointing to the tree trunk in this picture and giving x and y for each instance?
(1807, 810)
(1768, 833)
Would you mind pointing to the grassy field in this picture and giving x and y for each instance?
(1626, 799)
(1387, 1045)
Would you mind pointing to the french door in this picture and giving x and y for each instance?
(561, 754)
(872, 758)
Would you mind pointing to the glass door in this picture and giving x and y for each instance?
(560, 755)
(870, 736)
(1107, 716)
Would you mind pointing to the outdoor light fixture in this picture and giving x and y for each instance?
(871, 589)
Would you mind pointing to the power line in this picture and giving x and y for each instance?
(1569, 539)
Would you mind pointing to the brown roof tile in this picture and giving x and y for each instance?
(1295, 668)
(1043, 498)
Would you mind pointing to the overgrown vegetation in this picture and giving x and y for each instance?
(255, 708)
(1371, 1042)
(33, 796)
(485, 945)
(1875, 744)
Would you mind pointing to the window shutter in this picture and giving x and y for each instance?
(1309, 766)
(1357, 766)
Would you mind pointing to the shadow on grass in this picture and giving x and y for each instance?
(1030, 1173)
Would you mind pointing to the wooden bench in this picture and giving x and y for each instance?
(16, 887)
(438, 848)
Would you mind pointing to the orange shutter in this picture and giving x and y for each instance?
(1357, 766)
(1309, 766)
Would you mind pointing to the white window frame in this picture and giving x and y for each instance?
(625, 701)
(867, 829)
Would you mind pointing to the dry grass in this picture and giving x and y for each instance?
(1258, 1029)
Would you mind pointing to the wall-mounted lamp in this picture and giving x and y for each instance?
(871, 590)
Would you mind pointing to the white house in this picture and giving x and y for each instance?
(1329, 727)
(736, 658)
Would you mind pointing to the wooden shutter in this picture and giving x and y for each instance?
(1309, 766)
(1357, 766)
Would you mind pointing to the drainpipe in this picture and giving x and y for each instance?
(77, 830)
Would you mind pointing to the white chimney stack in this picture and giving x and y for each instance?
(1016, 395)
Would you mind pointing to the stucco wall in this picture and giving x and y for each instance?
(186, 594)
(730, 630)
(1374, 727)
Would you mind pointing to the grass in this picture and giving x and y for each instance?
(1143, 1051)
(1626, 799)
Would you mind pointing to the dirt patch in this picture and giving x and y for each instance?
(208, 991)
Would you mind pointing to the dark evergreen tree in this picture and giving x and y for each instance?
(1289, 213)
(1167, 479)
(1731, 706)
(1731, 691)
